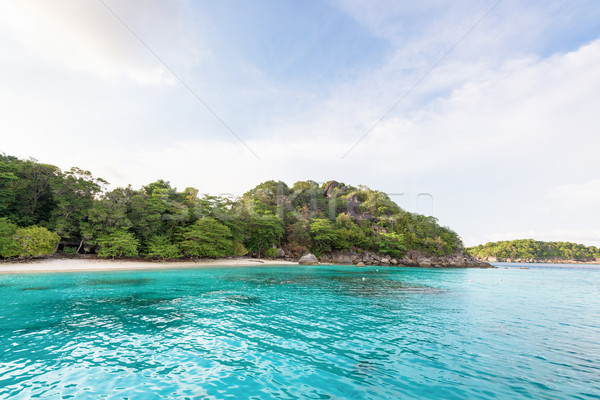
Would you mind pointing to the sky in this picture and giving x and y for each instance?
(490, 108)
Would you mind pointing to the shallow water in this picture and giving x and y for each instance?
(302, 332)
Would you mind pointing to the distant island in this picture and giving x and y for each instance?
(531, 251)
(44, 210)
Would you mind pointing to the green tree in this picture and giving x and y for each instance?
(34, 199)
(107, 215)
(35, 241)
(8, 246)
(323, 235)
(264, 231)
(206, 238)
(74, 193)
(7, 178)
(160, 246)
(118, 244)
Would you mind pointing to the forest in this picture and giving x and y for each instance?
(44, 210)
(536, 250)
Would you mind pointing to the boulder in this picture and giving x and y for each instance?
(329, 188)
(361, 264)
(308, 259)
(385, 261)
(280, 253)
(394, 261)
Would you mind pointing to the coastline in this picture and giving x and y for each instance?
(88, 265)
(535, 261)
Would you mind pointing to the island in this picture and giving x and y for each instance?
(46, 211)
(533, 251)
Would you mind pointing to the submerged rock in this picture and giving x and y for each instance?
(308, 259)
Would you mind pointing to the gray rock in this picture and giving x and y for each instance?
(385, 261)
(361, 264)
(280, 253)
(308, 259)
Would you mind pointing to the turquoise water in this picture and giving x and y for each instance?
(302, 332)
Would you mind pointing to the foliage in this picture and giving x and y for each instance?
(160, 246)
(391, 244)
(271, 253)
(206, 238)
(532, 249)
(264, 231)
(164, 222)
(118, 244)
(8, 246)
(35, 241)
(323, 235)
(239, 249)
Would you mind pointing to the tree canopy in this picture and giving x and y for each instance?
(537, 250)
(158, 221)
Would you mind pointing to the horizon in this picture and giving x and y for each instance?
(488, 108)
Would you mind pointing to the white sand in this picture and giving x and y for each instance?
(74, 265)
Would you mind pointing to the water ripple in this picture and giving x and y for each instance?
(301, 333)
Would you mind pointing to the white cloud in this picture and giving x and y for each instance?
(86, 36)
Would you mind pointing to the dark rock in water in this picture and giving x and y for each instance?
(308, 259)
(280, 253)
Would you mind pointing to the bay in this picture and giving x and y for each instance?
(303, 332)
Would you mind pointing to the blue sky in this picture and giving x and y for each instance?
(503, 132)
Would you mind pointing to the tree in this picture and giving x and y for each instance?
(107, 215)
(206, 238)
(118, 244)
(35, 241)
(160, 246)
(34, 199)
(7, 193)
(8, 246)
(264, 231)
(323, 235)
(74, 193)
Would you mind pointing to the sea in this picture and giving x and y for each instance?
(303, 332)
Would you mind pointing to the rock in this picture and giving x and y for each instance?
(385, 261)
(330, 187)
(394, 261)
(308, 259)
(280, 253)
(361, 264)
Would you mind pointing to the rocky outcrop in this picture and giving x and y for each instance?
(411, 259)
(330, 187)
(308, 259)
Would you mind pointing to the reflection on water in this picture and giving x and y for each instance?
(331, 332)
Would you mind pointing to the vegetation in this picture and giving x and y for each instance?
(43, 208)
(532, 249)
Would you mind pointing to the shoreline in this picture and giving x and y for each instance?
(88, 265)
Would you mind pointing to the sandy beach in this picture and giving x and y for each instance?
(79, 265)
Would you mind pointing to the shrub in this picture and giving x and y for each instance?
(271, 253)
(239, 249)
(69, 250)
(35, 241)
(118, 244)
(8, 246)
(206, 238)
(160, 246)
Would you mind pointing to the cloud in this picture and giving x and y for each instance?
(86, 36)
